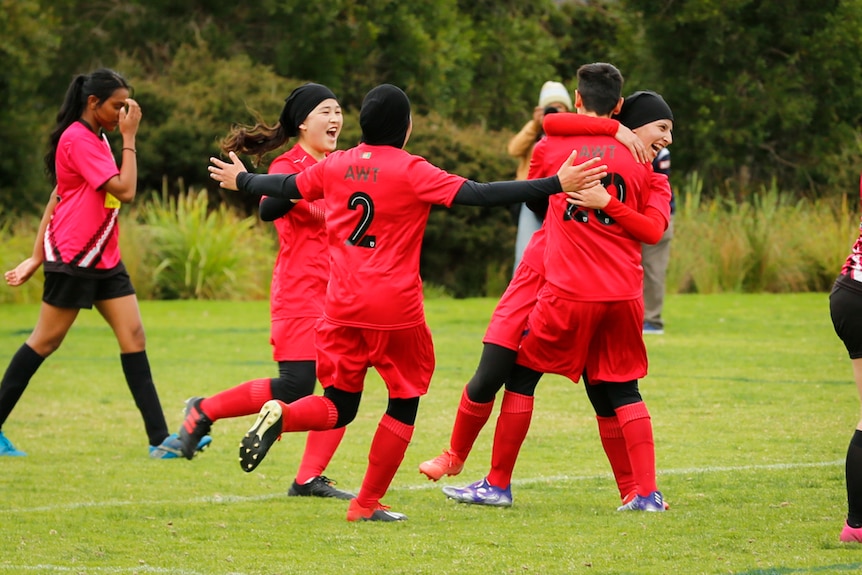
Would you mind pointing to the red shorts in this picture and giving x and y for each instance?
(292, 339)
(565, 337)
(404, 358)
(510, 316)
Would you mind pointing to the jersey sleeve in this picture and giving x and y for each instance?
(309, 182)
(93, 160)
(432, 184)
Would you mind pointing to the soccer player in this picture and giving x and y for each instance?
(312, 115)
(377, 198)
(845, 307)
(78, 243)
(577, 324)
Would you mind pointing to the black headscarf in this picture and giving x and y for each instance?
(299, 105)
(385, 116)
(642, 108)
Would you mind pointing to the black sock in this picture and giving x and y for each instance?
(136, 367)
(853, 474)
(24, 364)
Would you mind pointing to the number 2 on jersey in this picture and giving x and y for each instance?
(362, 201)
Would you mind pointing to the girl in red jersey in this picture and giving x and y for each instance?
(312, 115)
(378, 198)
(78, 245)
(845, 307)
(651, 118)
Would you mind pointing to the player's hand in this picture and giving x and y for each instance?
(576, 177)
(22, 272)
(225, 173)
(130, 118)
(595, 197)
(635, 145)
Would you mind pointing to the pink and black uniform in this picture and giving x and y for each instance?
(82, 236)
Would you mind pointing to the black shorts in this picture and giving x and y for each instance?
(68, 291)
(845, 306)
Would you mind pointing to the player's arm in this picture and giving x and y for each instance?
(647, 227)
(570, 177)
(581, 124)
(270, 209)
(25, 270)
(233, 176)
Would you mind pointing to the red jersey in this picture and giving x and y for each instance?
(301, 269)
(590, 257)
(83, 233)
(377, 203)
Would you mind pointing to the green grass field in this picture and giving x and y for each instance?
(751, 396)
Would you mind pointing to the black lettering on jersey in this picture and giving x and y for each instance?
(597, 151)
(361, 173)
(582, 214)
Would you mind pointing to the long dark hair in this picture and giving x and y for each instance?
(101, 83)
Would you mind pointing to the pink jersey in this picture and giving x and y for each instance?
(302, 267)
(377, 203)
(83, 233)
(589, 257)
(852, 267)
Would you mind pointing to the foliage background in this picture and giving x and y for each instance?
(765, 92)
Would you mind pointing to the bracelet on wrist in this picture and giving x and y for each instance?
(134, 151)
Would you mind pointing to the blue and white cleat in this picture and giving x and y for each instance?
(172, 447)
(7, 449)
(652, 502)
(481, 493)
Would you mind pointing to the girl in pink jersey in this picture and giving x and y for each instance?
(845, 307)
(312, 115)
(78, 245)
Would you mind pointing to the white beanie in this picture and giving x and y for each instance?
(554, 92)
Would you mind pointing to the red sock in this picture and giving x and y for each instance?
(244, 399)
(387, 451)
(516, 411)
(618, 456)
(637, 430)
(469, 421)
(310, 413)
(320, 446)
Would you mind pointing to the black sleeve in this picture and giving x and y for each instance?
(539, 207)
(502, 193)
(273, 185)
(271, 209)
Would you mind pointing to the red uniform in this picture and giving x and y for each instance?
(589, 312)
(377, 202)
(301, 269)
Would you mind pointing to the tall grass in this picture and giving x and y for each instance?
(768, 242)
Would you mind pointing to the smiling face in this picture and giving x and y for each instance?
(106, 114)
(656, 135)
(318, 134)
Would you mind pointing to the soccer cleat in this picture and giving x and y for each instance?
(319, 486)
(628, 498)
(265, 431)
(652, 502)
(447, 463)
(195, 426)
(171, 448)
(481, 493)
(380, 513)
(652, 329)
(851, 534)
(7, 449)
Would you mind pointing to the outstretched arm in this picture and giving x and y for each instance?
(25, 270)
(233, 176)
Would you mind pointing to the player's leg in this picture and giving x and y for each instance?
(474, 410)
(513, 423)
(845, 307)
(51, 328)
(613, 441)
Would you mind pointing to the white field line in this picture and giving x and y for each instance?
(417, 487)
